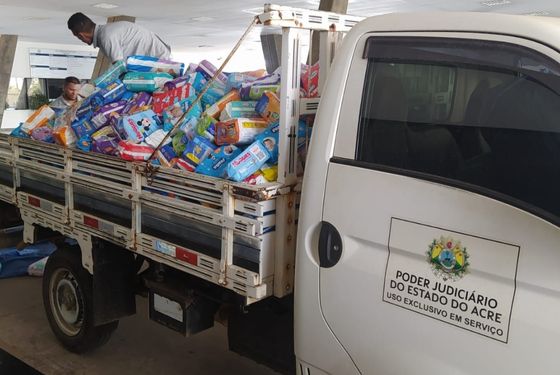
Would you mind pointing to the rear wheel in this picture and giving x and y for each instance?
(68, 301)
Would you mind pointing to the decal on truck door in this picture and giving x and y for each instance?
(431, 272)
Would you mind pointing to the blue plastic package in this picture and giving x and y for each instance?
(14, 262)
(269, 139)
(248, 162)
(83, 127)
(84, 143)
(216, 163)
(197, 150)
(17, 132)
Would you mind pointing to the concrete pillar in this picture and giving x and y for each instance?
(336, 6)
(8, 45)
(102, 63)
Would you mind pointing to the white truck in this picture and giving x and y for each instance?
(426, 233)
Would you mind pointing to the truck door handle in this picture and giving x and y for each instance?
(330, 245)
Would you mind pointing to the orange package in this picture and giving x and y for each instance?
(215, 110)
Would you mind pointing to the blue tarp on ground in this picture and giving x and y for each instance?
(14, 263)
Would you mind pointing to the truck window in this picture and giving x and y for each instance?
(481, 115)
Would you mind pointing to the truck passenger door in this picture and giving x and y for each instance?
(438, 247)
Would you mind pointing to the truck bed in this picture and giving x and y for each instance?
(222, 231)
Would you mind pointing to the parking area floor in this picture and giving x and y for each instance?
(138, 346)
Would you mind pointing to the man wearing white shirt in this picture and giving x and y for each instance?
(118, 40)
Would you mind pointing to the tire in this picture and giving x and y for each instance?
(68, 302)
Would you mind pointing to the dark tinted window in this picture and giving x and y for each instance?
(483, 113)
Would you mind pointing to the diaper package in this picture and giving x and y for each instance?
(140, 125)
(111, 74)
(256, 178)
(215, 110)
(239, 109)
(145, 81)
(101, 116)
(83, 128)
(179, 142)
(156, 138)
(206, 127)
(64, 136)
(132, 151)
(165, 99)
(18, 132)
(84, 143)
(239, 131)
(195, 79)
(269, 140)
(236, 80)
(39, 118)
(173, 113)
(208, 70)
(139, 63)
(268, 107)
(112, 92)
(167, 156)
(43, 133)
(105, 141)
(248, 162)
(254, 90)
(197, 150)
(139, 100)
(216, 163)
(310, 81)
(215, 92)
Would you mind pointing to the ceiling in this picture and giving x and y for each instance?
(204, 26)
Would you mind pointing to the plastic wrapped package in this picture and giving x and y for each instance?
(239, 109)
(84, 143)
(216, 163)
(40, 117)
(111, 74)
(239, 131)
(64, 136)
(179, 142)
(270, 172)
(105, 141)
(269, 138)
(215, 110)
(43, 133)
(215, 92)
(111, 92)
(149, 81)
(208, 70)
(195, 79)
(206, 127)
(173, 113)
(18, 132)
(101, 116)
(167, 156)
(83, 127)
(197, 150)
(138, 126)
(139, 63)
(254, 90)
(256, 178)
(132, 151)
(139, 100)
(268, 107)
(15, 262)
(236, 80)
(165, 99)
(310, 81)
(156, 138)
(248, 162)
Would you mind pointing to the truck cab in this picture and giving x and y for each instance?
(429, 217)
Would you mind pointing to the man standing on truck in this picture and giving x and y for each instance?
(118, 40)
(69, 95)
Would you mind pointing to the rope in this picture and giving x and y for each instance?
(151, 169)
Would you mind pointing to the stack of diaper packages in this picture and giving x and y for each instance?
(130, 110)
